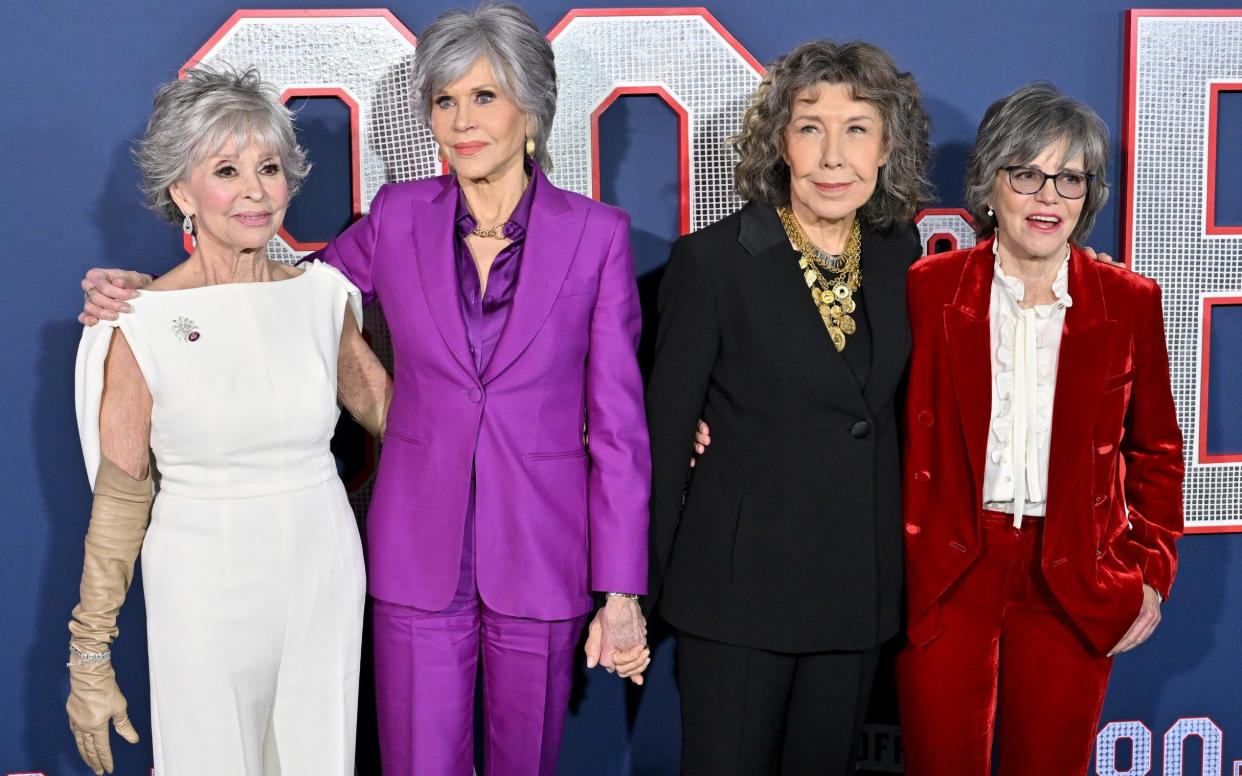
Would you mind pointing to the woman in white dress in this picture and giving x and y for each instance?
(229, 371)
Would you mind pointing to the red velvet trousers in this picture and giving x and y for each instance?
(1008, 663)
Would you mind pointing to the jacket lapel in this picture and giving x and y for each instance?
(436, 259)
(884, 282)
(552, 238)
(968, 339)
(762, 235)
(1082, 369)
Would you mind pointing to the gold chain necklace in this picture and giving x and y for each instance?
(496, 231)
(834, 297)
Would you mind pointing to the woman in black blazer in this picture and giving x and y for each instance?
(784, 327)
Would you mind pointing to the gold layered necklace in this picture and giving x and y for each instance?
(832, 281)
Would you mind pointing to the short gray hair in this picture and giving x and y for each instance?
(1017, 128)
(520, 56)
(872, 76)
(196, 116)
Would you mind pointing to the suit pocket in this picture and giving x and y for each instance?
(576, 285)
(393, 433)
(1119, 381)
(738, 537)
(555, 456)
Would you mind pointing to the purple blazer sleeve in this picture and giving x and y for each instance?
(620, 479)
(353, 251)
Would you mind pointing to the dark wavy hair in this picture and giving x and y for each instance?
(872, 76)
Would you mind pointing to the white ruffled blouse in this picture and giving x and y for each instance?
(1025, 345)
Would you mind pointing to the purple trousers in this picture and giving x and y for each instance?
(425, 668)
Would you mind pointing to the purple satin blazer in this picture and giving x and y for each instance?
(554, 520)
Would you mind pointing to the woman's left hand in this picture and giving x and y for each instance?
(617, 639)
(1144, 625)
(1087, 249)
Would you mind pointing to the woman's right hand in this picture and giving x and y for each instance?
(702, 438)
(94, 701)
(106, 291)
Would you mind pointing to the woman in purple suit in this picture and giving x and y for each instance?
(514, 317)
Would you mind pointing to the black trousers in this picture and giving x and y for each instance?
(748, 712)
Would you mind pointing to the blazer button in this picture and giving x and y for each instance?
(913, 529)
(860, 429)
(922, 476)
(476, 395)
(925, 418)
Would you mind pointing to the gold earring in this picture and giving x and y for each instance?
(530, 146)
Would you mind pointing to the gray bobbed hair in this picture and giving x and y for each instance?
(198, 115)
(1018, 128)
(520, 56)
(872, 76)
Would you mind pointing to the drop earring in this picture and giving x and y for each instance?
(990, 213)
(187, 226)
(530, 146)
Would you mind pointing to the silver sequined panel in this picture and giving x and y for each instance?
(1177, 59)
(931, 225)
(369, 58)
(685, 56)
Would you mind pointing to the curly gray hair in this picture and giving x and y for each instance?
(520, 56)
(1017, 128)
(196, 116)
(872, 76)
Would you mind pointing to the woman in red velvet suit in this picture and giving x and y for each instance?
(1043, 462)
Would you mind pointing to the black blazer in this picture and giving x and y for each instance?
(790, 535)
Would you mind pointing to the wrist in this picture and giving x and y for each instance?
(79, 658)
(611, 595)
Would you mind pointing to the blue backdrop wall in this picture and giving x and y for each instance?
(77, 85)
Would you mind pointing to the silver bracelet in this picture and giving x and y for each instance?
(79, 658)
(627, 596)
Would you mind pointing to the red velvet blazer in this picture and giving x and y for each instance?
(1115, 469)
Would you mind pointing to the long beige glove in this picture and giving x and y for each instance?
(118, 523)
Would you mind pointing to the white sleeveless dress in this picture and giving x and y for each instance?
(252, 565)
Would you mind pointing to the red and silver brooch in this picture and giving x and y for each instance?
(185, 329)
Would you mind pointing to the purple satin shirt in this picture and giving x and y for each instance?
(485, 315)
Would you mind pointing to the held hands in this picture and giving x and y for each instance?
(94, 701)
(617, 640)
(106, 291)
(1144, 625)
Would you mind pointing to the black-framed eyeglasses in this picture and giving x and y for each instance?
(1070, 184)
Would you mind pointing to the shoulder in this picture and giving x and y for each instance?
(714, 236)
(938, 266)
(411, 191)
(327, 274)
(900, 241)
(607, 217)
(1124, 282)
(335, 285)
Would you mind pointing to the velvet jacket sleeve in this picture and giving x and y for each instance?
(620, 453)
(1152, 450)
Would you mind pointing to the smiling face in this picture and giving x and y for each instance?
(834, 146)
(237, 197)
(1037, 226)
(481, 130)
